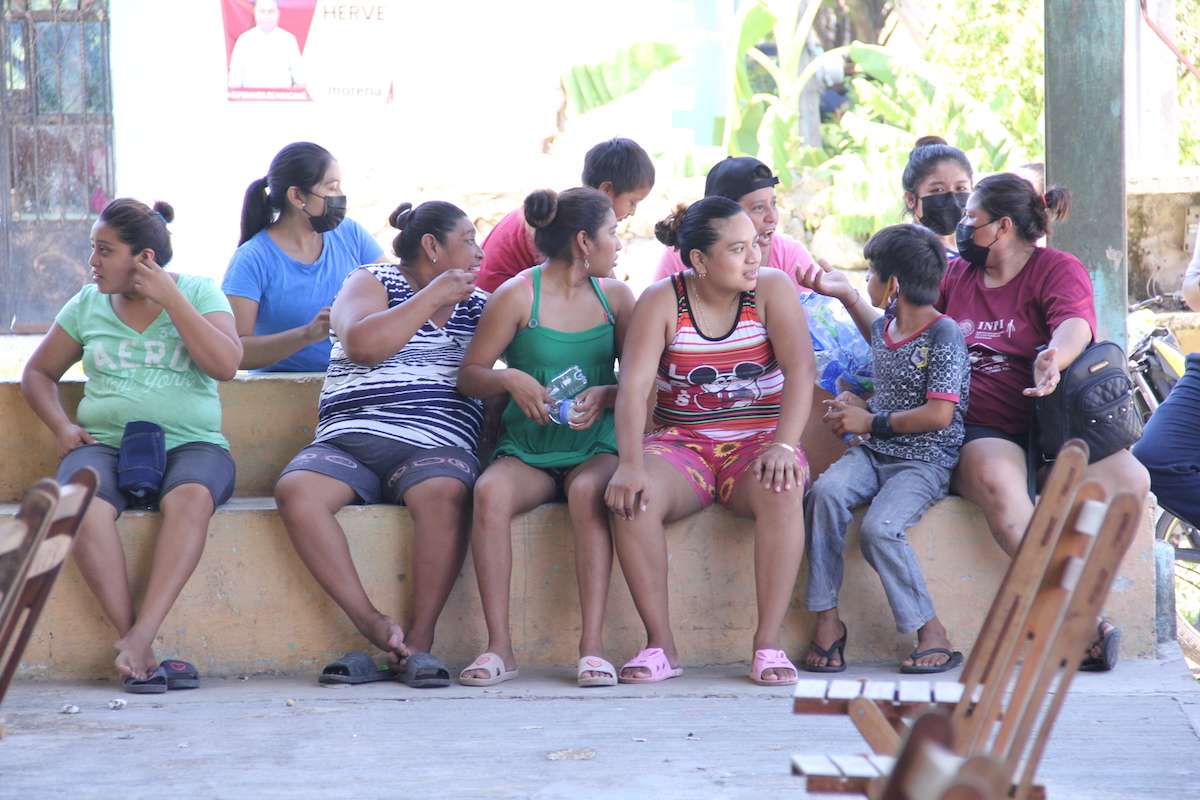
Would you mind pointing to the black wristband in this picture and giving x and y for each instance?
(881, 426)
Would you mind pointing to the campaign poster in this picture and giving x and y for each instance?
(307, 50)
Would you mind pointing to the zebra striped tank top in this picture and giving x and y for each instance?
(410, 397)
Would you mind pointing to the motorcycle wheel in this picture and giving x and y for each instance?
(1185, 539)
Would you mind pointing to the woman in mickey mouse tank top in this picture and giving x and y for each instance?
(727, 345)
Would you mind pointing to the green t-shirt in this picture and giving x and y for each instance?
(144, 376)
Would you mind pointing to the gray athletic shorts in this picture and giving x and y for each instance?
(195, 462)
(381, 470)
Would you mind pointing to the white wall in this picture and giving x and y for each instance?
(476, 93)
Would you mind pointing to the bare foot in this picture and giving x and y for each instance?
(506, 656)
(1096, 651)
(830, 631)
(930, 636)
(591, 673)
(388, 636)
(645, 672)
(135, 659)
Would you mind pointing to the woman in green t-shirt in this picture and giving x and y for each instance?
(559, 327)
(153, 346)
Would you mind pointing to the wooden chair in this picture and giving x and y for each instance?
(49, 556)
(880, 708)
(1013, 728)
(19, 540)
(928, 768)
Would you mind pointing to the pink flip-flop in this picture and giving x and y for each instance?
(771, 659)
(655, 660)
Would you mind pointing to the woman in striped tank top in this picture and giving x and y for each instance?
(717, 342)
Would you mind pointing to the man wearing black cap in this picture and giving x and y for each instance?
(751, 184)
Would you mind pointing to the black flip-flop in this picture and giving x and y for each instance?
(954, 659)
(355, 667)
(1110, 650)
(424, 671)
(838, 647)
(180, 674)
(155, 684)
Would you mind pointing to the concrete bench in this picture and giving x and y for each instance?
(251, 606)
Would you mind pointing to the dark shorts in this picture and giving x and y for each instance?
(973, 432)
(195, 462)
(381, 470)
(556, 474)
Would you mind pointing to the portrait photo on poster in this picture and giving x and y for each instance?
(264, 48)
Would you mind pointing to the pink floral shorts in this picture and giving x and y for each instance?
(713, 467)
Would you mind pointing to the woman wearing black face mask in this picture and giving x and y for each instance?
(937, 181)
(1011, 297)
(295, 250)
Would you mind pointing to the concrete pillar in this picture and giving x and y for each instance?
(1085, 144)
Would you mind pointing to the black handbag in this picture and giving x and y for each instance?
(1093, 402)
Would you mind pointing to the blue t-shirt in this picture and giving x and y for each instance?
(289, 293)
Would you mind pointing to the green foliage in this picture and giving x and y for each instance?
(763, 116)
(589, 86)
(898, 100)
(1187, 37)
(995, 50)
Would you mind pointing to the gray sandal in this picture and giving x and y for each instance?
(424, 671)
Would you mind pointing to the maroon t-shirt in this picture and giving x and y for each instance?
(507, 250)
(1003, 327)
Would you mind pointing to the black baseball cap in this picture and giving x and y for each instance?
(736, 177)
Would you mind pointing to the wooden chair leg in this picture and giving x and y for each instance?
(879, 733)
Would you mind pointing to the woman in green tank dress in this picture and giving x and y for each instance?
(556, 325)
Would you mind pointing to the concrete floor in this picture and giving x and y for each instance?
(1134, 733)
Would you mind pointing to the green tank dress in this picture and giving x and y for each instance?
(544, 353)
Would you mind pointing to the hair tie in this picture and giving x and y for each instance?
(160, 216)
(1044, 203)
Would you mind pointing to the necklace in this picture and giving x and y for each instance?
(700, 306)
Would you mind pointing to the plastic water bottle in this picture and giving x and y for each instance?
(563, 387)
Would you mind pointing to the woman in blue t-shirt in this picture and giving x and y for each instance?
(153, 346)
(295, 250)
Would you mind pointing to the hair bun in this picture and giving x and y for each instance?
(401, 216)
(164, 210)
(926, 141)
(666, 230)
(541, 206)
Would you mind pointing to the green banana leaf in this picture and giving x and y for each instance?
(589, 86)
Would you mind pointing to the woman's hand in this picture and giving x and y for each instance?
(628, 492)
(318, 329)
(451, 287)
(823, 279)
(529, 395)
(847, 413)
(71, 437)
(589, 406)
(153, 282)
(777, 469)
(1045, 373)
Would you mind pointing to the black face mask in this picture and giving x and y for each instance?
(974, 254)
(941, 212)
(335, 212)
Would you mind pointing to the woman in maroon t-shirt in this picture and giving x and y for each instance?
(1011, 297)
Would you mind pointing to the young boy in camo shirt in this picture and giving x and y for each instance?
(915, 427)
